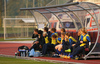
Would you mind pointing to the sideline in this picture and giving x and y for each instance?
(39, 59)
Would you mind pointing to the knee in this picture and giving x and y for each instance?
(59, 49)
(56, 47)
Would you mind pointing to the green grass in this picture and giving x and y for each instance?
(15, 30)
(1, 30)
(7, 60)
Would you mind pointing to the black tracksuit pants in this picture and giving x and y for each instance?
(77, 50)
(47, 47)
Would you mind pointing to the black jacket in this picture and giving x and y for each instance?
(49, 33)
(40, 40)
(35, 36)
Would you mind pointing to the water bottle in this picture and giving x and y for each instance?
(26, 53)
(15, 54)
(22, 54)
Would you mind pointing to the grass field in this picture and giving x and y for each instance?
(15, 30)
(10, 31)
(7, 60)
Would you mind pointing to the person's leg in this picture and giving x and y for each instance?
(46, 47)
(44, 50)
(74, 50)
(59, 52)
(77, 50)
(57, 46)
(51, 47)
(60, 47)
(77, 44)
(65, 47)
(33, 46)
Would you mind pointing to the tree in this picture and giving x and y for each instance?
(1, 7)
(13, 6)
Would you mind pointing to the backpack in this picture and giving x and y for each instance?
(23, 51)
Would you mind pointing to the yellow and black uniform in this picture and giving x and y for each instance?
(71, 38)
(53, 41)
(46, 39)
(49, 46)
(71, 41)
(86, 39)
(59, 40)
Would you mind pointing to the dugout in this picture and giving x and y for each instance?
(73, 16)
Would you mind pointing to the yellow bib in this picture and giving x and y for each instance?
(84, 39)
(46, 40)
(82, 44)
(53, 41)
